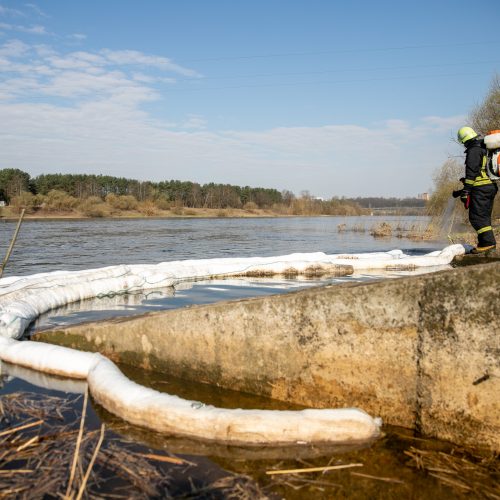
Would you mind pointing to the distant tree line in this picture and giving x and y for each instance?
(103, 195)
(13, 182)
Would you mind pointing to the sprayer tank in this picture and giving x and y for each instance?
(492, 140)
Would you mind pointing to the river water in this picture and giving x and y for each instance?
(51, 245)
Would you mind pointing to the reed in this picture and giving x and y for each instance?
(37, 450)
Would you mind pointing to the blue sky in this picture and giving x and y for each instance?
(337, 98)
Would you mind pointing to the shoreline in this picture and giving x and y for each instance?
(233, 214)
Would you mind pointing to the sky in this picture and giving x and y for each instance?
(355, 98)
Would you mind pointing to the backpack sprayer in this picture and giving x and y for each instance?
(492, 142)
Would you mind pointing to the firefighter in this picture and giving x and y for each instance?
(479, 190)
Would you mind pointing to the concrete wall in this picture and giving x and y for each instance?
(412, 350)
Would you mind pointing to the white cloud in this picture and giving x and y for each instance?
(7, 11)
(141, 77)
(194, 122)
(14, 48)
(43, 51)
(34, 71)
(133, 57)
(37, 10)
(33, 30)
(76, 60)
(445, 123)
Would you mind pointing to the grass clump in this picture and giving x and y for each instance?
(382, 230)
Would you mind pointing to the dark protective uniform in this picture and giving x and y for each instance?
(482, 191)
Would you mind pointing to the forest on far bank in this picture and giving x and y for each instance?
(104, 196)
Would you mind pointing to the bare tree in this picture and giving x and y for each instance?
(486, 116)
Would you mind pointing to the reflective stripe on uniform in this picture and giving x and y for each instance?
(483, 182)
(482, 179)
(484, 229)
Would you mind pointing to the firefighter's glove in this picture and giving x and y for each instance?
(465, 198)
(457, 193)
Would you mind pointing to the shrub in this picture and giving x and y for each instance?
(122, 202)
(25, 200)
(163, 204)
(250, 206)
(147, 208)
(93, 206)
(59, 201)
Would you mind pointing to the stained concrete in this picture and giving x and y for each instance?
(421, 352)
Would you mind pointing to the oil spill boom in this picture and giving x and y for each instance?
(22, 299)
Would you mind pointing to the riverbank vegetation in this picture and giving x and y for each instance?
(390, 229)
(79, 195)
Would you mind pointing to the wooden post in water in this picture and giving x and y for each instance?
(13, 241)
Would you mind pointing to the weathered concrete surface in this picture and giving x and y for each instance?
(408, 350)
(458, 391)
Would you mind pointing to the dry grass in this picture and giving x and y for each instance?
(38, 439)
(381, 230)
(476, 476)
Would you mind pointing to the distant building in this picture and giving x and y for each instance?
(423, 196)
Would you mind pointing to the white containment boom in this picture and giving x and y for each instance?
(23, 299)
(173, 415)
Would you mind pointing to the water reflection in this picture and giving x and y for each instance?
(196, 292)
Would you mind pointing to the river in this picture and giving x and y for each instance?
(54, 245)
(49, 245)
